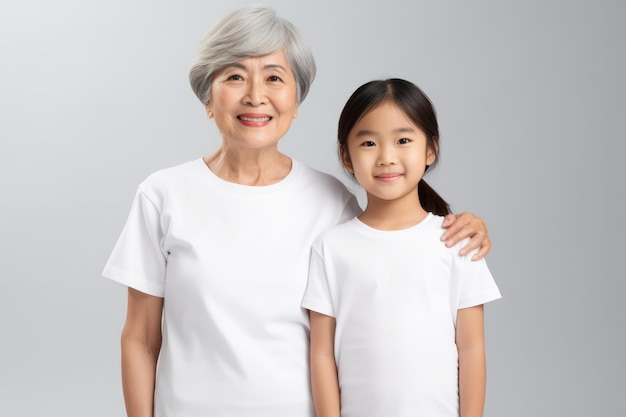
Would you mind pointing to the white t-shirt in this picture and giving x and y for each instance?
(395, 296)
(231, 262)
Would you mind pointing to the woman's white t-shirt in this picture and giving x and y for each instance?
(395, 296)
(231, 263)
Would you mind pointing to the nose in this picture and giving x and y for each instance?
(386, 156)
(255, 93)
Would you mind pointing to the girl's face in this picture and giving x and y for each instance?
(387, 153)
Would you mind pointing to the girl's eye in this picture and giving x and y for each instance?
(368, 143)
(404, 141)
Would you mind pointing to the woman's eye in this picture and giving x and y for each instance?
(235, 77)
(274, 78)
(368, 143)
(403, 141)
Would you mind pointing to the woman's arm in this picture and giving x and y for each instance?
(461, 226)
(141, 344)
(470, 342)
(324, 382)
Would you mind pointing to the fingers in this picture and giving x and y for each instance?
(483, 251)
(477, 241)
(452, 223)
(449, 220)
(459, 232)
(466, 225)
(455, 224)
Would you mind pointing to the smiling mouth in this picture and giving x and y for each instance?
(255, 119)
(388, 177)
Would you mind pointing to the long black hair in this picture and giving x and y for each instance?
(415, 105)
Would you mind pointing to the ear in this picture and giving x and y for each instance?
(431, 153)
(295, 113)
(209, 110)
(345, 159)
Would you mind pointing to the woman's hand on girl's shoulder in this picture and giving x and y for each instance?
(467, 225)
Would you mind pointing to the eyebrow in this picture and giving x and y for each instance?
(268, 66)
(275, 66)
(373, 133)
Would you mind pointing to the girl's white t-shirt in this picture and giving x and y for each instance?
(395, 296)
(231, 263)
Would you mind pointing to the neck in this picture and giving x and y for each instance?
(256, 167)
(395, 214)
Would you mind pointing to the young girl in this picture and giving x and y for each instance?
(396, 316)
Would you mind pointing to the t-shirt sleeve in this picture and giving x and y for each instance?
(138, 260)
(317, 296)
(476, 283)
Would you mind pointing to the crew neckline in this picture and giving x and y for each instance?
(241, 188)
(411, 229)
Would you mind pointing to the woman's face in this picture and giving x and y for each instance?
(254, 101)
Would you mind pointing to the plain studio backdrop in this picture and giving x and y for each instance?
(531, 102)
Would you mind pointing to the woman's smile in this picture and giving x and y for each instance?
(254, 120)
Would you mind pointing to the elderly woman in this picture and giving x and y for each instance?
(215, 251)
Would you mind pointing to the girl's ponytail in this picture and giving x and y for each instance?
(431, 200)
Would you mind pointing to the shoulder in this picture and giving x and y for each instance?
(437, 230)
(434, 229)
(171, 176)
(324, 188)
(336, 235)
(166, 176)
(321, 181)
(433, 226)
(165, 181)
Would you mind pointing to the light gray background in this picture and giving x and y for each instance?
(530, 96)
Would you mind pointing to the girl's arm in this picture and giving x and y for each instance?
(470, 342)
(461, 226)
(324, 382)
(141, 344)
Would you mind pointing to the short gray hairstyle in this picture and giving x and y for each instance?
(249, 32)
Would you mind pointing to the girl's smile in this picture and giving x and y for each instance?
(388, 177)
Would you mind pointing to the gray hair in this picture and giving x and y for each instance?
(249, 32)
